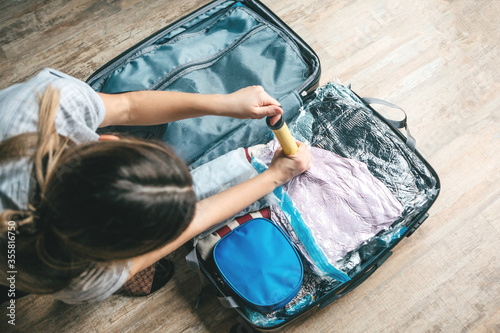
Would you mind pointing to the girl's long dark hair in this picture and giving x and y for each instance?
(98, 202)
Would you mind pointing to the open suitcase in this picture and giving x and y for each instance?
(227, 45)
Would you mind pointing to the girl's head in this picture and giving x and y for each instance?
(97, 202)
(117, 199)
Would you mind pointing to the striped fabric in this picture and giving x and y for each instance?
(205, 245)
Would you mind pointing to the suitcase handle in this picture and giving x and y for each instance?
(355, 283)
(410, 140)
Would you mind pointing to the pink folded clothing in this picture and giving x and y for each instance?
(205, 245)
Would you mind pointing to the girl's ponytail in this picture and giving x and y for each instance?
(50, 144)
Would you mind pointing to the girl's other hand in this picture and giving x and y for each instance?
(285, 167)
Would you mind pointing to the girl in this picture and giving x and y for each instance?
(92, 213)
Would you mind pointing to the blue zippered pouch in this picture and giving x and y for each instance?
(258, 261)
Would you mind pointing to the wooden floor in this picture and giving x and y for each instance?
(437, 59)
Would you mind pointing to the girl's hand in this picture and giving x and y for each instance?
(250, 102)
(285, 167)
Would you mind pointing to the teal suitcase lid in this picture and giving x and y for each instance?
(258, 261)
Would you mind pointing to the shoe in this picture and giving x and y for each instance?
(164, 270)
(148, 280)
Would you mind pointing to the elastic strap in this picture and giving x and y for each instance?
(410, 141)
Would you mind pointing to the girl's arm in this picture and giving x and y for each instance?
(159, 107)
(223, 205)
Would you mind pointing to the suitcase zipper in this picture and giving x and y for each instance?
(216, 17)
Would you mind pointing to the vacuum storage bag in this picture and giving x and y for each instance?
(338, 121)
